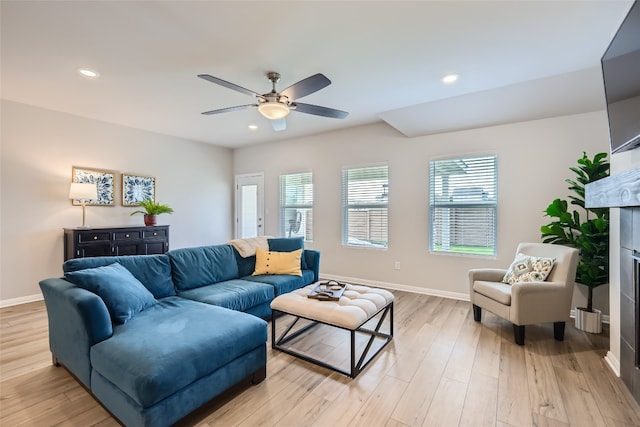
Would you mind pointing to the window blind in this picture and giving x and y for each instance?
(463, 200)
(296, 205)
(365, 193)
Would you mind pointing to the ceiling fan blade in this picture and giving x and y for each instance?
(279, 125)
(228, 109)
(228, 85)
(306, 87)
(319, 111)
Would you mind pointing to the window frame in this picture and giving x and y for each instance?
(347, 206)
(489, 188)
(283, 206)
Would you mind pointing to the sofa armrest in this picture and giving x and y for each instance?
(78, 319)
(312, 258)
(540, 302)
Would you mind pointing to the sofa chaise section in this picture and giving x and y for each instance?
(144, 381)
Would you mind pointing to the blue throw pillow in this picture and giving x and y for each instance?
(288, 244)
(121, 292)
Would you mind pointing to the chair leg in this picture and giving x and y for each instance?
(558, 330)
(477, 313)
(518, 332)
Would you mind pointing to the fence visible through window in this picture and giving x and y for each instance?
(296, 205)
(463, 205)
(365, 194)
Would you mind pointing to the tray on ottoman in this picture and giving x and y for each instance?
(330, 290)
(358, 307)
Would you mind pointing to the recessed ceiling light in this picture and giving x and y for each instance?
(86, 72)
(253, 127)
(450, 78)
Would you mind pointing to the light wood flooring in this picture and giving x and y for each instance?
(441, 369)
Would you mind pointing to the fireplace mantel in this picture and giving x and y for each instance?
(615, 191)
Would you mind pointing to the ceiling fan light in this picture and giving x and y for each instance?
(273, 110)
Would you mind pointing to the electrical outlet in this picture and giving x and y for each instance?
(396, 265)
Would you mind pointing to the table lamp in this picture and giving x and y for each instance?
(83, 191)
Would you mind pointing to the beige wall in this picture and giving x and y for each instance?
(533, 163)
(39, 148)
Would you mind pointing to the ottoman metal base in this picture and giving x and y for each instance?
(363, 359)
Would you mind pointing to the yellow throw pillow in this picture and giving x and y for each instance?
(270, 262)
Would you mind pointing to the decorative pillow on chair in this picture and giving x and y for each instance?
(121, 292)
(271, 262)
(528, 269)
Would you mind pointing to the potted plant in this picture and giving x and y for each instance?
(151, 210)
(588, 233)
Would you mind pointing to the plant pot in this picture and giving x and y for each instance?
(588, 321)
(149, 220)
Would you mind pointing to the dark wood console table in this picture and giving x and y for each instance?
(115, 241)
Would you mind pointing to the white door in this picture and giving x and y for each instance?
(249, 205)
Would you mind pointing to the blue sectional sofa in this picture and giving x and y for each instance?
(157, 336)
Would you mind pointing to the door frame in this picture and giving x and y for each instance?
(256, 178)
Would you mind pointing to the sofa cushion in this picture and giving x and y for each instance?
(271, 262)
(236, 294)
(173, 344)
(288, 244)
(246, 266)
(121, 292)
(201, 266)
(283, 283)
(154, 271)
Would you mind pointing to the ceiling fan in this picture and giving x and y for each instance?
(274, 105)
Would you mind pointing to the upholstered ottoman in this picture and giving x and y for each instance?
(354, 311)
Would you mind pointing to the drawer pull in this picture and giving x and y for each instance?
(126, 235)
(95, 237)
(155, 234)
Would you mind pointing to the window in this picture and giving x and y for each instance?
(365, 193)
(463, 205)
(296, 205)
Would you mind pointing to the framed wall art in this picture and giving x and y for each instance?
(105, 183)
(136, 188)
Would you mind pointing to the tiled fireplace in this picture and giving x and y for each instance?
(623, 191)
(629, 293)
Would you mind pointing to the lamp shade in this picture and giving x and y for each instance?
(83, 191)
(273, 110)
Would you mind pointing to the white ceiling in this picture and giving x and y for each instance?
(517, 60)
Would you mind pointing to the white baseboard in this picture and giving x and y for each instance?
(399, 287)
(613, 363)
(21, 300)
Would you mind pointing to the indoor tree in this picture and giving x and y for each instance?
(589, 232)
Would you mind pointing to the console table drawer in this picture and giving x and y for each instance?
(90, 236)
(126, 235)
(154, 234)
